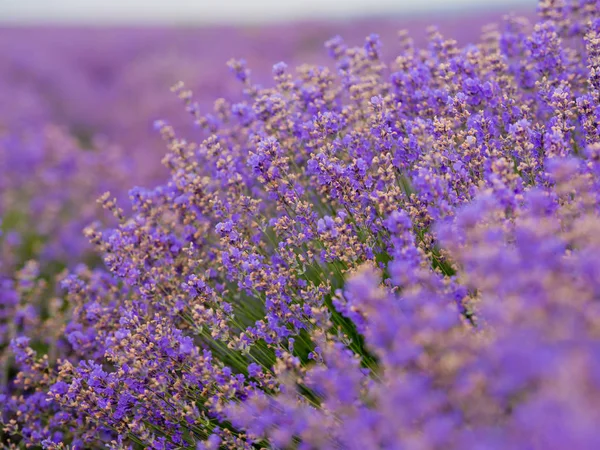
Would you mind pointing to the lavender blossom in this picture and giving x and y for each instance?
(374, 253)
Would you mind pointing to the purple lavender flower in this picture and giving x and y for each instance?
(388, 253)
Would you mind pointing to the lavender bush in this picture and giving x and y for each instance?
(75, 109)
(387, 254)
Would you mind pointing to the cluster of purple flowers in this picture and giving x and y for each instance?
(75, 115)
(376, 255)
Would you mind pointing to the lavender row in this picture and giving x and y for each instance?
(392, 253)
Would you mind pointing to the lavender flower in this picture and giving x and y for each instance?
(372, 254)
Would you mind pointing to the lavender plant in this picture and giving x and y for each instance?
(383, 255)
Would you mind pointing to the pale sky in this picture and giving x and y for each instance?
(223, 11)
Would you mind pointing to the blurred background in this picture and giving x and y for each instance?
(196, 12)
(103, 67)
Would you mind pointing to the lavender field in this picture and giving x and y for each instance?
(368, 234)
